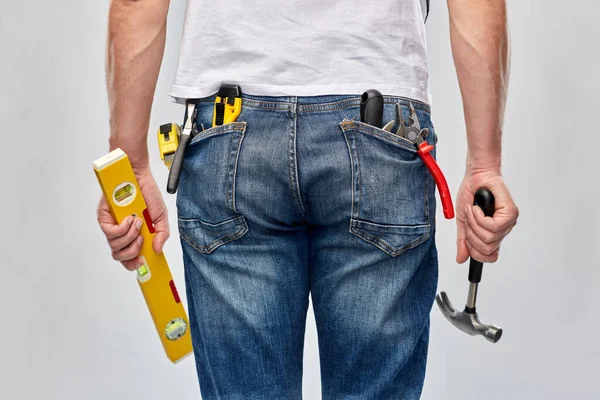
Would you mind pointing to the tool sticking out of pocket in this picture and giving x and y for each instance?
(188, 132)
(228, 105)
(371, 107)
(411, 130)
(168, 141)
(173, 140)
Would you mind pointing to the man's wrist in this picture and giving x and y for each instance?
(483, 162)
(138, 157)
(141, 169)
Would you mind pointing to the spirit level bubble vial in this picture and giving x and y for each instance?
(123, 195)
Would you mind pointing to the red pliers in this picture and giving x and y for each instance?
(413, 132)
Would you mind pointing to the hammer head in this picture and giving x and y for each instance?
(466, 322)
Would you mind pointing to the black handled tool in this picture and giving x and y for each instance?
(175, 171)
(371, 107)
(485, 200)
(468, 320)
(187, 134)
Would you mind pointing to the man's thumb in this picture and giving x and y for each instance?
(462, 252)
(158, 241)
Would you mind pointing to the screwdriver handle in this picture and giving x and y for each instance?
(371, 107)
(485, 200)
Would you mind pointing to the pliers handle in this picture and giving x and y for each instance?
(414, 133)
(424, 151)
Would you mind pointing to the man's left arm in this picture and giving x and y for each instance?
(480, 47)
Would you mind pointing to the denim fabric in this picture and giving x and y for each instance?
(299, 197)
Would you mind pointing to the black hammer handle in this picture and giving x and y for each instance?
(485, 200)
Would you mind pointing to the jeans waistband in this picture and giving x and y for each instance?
(312, 103)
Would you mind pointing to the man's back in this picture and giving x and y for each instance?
(299, 197)
(304, 48)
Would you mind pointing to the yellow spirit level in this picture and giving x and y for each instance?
(123, 195)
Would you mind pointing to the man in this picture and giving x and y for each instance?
(298, 197)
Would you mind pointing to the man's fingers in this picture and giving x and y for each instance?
(462, 252)
(132, 265)
(113, 231)
(162, 232)
(121, 242)
(482, 233)
(477, 255)
(504, 218)
(479, 245)
(159, 240)
(130, 252)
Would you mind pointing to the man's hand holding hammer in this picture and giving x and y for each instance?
(480, 46)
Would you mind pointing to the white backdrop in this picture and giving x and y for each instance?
(75, 325)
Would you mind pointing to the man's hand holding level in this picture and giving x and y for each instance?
(124, 239)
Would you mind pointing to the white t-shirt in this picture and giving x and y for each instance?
(304, 48)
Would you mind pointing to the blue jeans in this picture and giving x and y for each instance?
(299, 197)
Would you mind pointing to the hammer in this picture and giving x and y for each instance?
(468, 320)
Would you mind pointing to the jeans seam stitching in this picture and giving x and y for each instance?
(219, 130)
(329, 106)
(238, 220)
(354, 102)
(401, 141)
(352, 173)
(268, 105)
(296, 177)
(380, 243)
(237, 155)
(215, 243)
(227, 176)
(292, 166)
(384, 227)
(359, 185)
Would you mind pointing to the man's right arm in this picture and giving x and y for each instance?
(134, 52)
(135, 46)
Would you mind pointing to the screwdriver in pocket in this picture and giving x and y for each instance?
(371, 107)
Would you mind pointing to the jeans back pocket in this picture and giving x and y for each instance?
(390, 188)
(207, 184)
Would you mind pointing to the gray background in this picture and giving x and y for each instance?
(75, 325)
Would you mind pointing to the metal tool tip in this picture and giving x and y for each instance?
(444, 304)
(493, 333)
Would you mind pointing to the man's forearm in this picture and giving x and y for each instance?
(480, 46)
(135, 46)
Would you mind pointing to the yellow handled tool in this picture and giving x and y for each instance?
(228, 105)
(174, 139)
(168, 140)
(123, 195)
